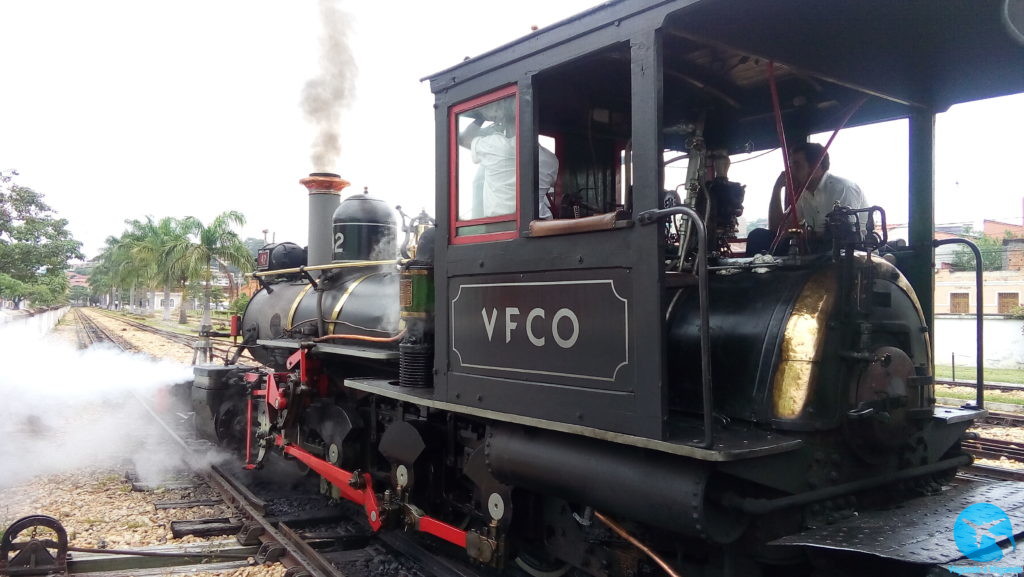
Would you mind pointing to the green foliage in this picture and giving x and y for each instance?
(217, 296)
(238, 305)
(35, 246)
(79, 294)
(207, 246)
(254, 245)
(1018, 313)
(991, 249)
(158, 254)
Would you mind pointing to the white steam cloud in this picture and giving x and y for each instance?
(64, 409)
(325, 96)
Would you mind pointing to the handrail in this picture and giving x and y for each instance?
(978, 269)
(331, 266)
(651, 216)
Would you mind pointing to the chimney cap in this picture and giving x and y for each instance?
(323, 182)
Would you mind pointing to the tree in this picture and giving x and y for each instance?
(151, 249)
(238, 305)
(205, 247)
(79, 295)
(254, 245)
(991, 249)
(35, 246)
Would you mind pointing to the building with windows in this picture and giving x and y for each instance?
(955, 292)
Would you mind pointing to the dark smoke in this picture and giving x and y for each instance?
(324, 97)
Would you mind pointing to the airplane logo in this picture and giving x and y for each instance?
(979, 529)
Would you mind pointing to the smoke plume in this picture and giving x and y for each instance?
(66, 410)
(325, 96)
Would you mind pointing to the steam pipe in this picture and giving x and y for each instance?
(979, 326)
(650, 216)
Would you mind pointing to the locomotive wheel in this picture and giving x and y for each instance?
(34, 556)
(230, 428)
(262, 432)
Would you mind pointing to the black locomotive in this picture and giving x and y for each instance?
(615, 386)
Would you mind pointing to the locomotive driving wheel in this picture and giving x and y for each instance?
(44, 551)
(262, 432)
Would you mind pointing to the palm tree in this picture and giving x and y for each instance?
(151, 250)
(131, 271)
(204, 246)
(111, 272)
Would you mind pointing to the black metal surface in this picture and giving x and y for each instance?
(748, 318)
(557, 328)
(364, 229)
(919, 531)
(598, 379)
(655, 488)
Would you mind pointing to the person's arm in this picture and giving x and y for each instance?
(775, 204)
(470, 132)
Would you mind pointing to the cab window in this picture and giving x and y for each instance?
(484, 172)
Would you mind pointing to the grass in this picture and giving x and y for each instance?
(968, 395)
(965, 373)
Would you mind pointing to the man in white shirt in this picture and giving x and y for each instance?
(494, 149)
(821, 191)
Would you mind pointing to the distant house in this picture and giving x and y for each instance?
(955, 294)
(1012, 236)
(75, 279)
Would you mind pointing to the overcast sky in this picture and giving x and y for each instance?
(119, 109)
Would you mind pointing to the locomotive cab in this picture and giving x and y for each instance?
(578, 294)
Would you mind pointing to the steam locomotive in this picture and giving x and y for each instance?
(618, 387)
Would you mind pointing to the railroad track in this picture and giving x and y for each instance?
(989, 386)
(89, 332)
(221, 348)
(1003, 420)
(995, 449)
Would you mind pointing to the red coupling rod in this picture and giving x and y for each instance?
(359, 489)
(443, 530)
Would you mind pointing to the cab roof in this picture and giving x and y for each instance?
(905, 54)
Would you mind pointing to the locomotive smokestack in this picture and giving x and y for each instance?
(324, 196)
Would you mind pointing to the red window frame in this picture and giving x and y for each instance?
(453, 173)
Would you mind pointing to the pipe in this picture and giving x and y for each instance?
(165, 554)
(390, 339)
(636, 543)
(754, 506)
(979, 326)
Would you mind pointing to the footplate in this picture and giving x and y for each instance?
(921, 530)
